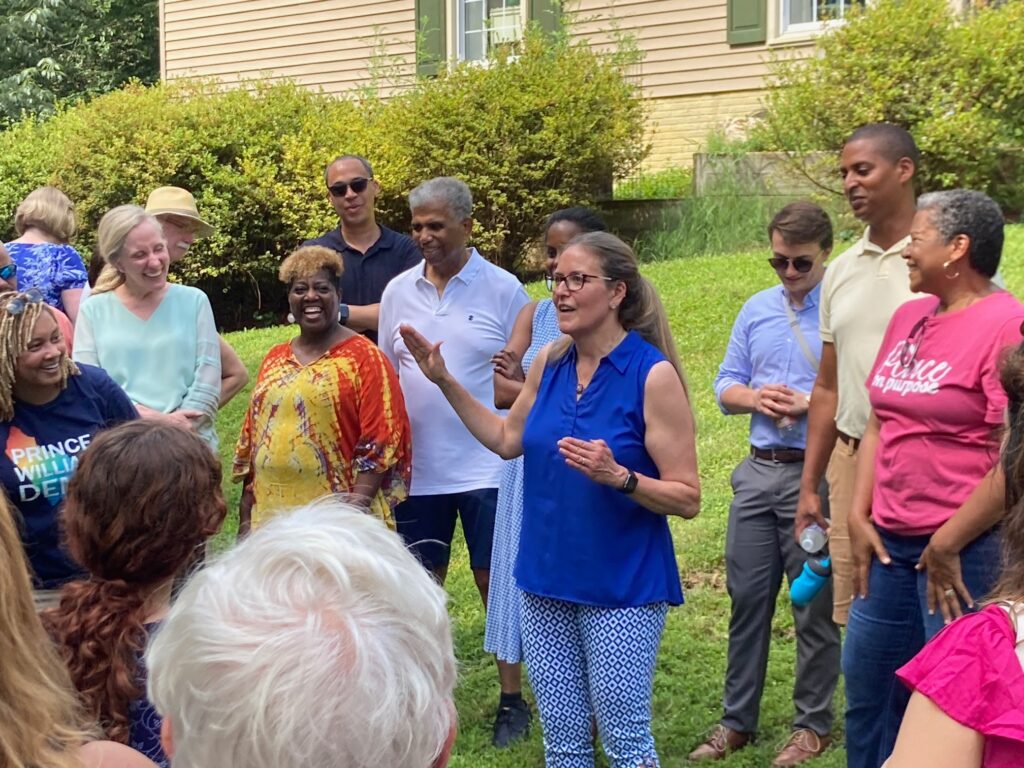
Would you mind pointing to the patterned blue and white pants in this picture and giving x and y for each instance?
(589, 662)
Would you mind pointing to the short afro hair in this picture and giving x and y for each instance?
(308, 260)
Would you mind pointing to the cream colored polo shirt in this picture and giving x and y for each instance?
(862, 288)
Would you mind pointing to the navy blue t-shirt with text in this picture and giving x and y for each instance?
(39, 450)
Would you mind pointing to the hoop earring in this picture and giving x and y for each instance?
(290, 318)
(955, 275)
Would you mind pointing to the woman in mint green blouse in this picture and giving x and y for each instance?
(157, 340)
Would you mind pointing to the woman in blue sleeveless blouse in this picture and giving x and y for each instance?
(536, 326)
(606, 434)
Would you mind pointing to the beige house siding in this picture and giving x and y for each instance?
(678, 126)
(695, 81)
(320, 43)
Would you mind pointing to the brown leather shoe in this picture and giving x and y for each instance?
(720, 743)
(803, 744)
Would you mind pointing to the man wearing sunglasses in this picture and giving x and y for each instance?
(372, 253)
(768, 371)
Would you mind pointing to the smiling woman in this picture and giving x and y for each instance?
(326, 413)
(157, 340)
(50, 409)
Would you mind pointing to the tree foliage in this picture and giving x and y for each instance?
(56, 50)
(956, 83)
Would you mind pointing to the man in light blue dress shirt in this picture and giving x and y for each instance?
(768, 371)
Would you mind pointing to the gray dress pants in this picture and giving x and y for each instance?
(759, 549)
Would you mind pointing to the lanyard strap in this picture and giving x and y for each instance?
(804, 346)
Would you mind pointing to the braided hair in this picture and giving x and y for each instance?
(19, 312)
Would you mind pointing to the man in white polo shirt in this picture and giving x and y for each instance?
(457, 297)
(862, 288)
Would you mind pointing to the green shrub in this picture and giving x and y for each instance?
(657, 185)
(546, 128)
(956, 84)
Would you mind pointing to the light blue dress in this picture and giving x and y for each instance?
(502, 636)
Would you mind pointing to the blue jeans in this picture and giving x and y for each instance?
(887, 629)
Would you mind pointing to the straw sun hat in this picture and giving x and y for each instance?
(177, 202)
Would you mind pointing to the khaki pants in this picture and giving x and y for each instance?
(842, 469)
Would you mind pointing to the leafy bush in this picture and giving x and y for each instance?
(550, 127)
(956, 84)
(657, 185)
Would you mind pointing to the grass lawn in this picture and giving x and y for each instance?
(702, 295)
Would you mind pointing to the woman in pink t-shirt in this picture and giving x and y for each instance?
(928, 491)
(967, 706)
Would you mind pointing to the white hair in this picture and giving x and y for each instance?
(318, 642)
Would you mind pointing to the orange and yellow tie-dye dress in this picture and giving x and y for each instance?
(311, 429)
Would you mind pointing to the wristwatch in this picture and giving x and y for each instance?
(343, 314)
(630, 483)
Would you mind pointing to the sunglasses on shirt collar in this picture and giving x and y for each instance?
(340, 189)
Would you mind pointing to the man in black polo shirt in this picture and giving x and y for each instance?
(372, 254)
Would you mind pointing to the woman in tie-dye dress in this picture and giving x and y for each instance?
(326, 413)
(536, 326)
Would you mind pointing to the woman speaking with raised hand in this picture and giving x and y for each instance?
(606, 434)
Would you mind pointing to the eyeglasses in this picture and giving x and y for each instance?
(908, 355)
(574, 281)
(185, 225)
(17, 304)
(801, 264)
(6, 273)
(340, 189)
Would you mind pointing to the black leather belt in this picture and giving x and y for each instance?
(778, 455)
(853, 442)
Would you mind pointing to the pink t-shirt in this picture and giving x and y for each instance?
(940, 415)
(971, 671)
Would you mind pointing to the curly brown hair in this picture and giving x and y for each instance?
(141, 504)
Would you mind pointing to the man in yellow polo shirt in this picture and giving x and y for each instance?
(862, 288)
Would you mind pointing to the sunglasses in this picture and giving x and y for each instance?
(17, 304)
(340, 189)
(6, 273)
(801, 264)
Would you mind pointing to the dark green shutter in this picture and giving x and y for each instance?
(431, 33)
(747, 22)
(547, 13)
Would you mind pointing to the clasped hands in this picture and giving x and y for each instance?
(777, 401)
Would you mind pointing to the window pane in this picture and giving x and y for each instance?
(800, 12)
(475, 46)
(505, 20)
(474, 16)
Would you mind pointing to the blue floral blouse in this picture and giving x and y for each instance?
(50, 267)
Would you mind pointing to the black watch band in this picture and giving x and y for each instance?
(343, 314)
(630, 483)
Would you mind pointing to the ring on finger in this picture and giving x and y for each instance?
(950, 592)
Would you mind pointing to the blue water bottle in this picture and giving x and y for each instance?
(815, 575)
(816, 571)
